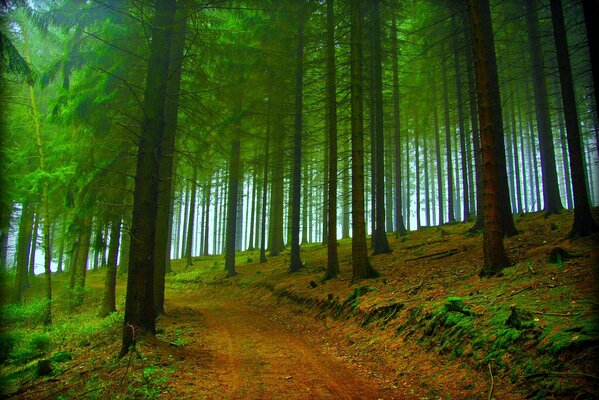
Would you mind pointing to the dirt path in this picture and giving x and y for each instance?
(233, 351)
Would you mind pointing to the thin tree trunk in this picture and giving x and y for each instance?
(449, 163)
(191, 220)
(460, 109)
(515, 157)
(109, 299)
(331, 203)
(295, 263)
(33, 246)
(380, 242)
(438, 158)
(265, 188)
(584, 224)
(400, 228)
(361, 267)
(551, 197)
(232, 208)
(23, 250)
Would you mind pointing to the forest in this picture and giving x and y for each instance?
(349, 199)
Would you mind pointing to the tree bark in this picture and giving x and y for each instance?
(23, 249)
(140, 313)
(461, 127)
(331, 87)
(380, 242)
(295, 263)
(232, 208)
(191, 220)
(489, 111)
(164, 216)
(361, 267)
(109, 299)
(584, 224)
(551, 197)
(449, 162)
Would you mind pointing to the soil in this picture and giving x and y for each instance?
(238, 352)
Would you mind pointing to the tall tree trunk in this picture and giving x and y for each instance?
(164, 216)
(5, 215)
(361, 267)
(206, 218)
(240, 204)
(23, 250)
(478, 223)
(139, 305)
(515, 158)
(252, 209)
(551, 196)
(449, 163)
(400, 228)
(109, 299)
(584, 224)
(345, 198)
(34, 232)
(417, 166)
(460, 109)
(232, 208)
(380, 242)
(265, 187)
(295, 263)
(45, 206)
(438, 158)
(183, 228)
(564, 146)
(489, 111)
(191, 220)
(331, 204)
(590, 9)
(80, 270)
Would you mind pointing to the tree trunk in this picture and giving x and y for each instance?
(517, 187)
(584, 224)
(265, 187)
(5, 216)
(460, 107)
(23, 250)
(239, 216)
(331, 203)
(380, 242)
(438, 158)
(140, 313)
(232, 208)
(489, 111)
(417, 166)
(590, 9)
(191, 220)
(206, 218)
(562, 137)
(33, 246)
(164, 217)
(449, 163)
(478, 223)
(109, 299)
(361, 267)
(551, 195)
(295, 263)
(80, 270)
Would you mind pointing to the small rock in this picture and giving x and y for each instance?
(288, 378)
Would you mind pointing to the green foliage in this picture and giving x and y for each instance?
(30, 313)
(29, 346)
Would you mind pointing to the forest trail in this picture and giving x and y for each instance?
(234, 351)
